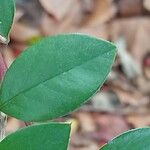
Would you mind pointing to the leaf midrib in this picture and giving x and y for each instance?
(9, 100)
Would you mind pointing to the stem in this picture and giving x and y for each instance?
(28, 123)
(3, 68)
(3, 122)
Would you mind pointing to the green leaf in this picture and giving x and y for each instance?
(137, 139)
(7, 9)
(55, 76)
(52, 136)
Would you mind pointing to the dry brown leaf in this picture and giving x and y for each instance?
(129, 7)
(136, 32)
(143, 84)
(57, 8)
(86, 121)
(19, 13)
(110, 126)
(87, 5)
(17, 46)
(104, 10)
(141, 44)
(97, 31)
(74, 22)
(146, 4)
(133, 98)
(106, 102)
(50, 26)
(22, 33)
(124, 28)
(139, 121)
(100, 31)
(130, 67)
(147, 73)
(80, 142)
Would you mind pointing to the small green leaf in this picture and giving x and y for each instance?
(137, 139)
(55, 76)
(51, 136)
(7, 9)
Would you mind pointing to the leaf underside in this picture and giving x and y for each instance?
(137, 139)
(51, 136)
(55, 76)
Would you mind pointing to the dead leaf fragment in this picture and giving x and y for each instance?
(136, 32)
(129, 7)
(22, 33)
(57, 8)
(110, 126)
(146, 4)
(86, 122)
(139, 121)
(103, 11)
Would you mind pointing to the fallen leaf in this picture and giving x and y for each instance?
(109, 126)
(21, 32)
(136, 32)
(86, 121)
(104, 10)
(125, 7)
(139, 120)
(146, 4)
(57, 8)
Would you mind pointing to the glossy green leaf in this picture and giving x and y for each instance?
(55, 76)
(137, 139)
(7, 9)
(52, 136)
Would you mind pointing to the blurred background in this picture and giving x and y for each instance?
(124, 100)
